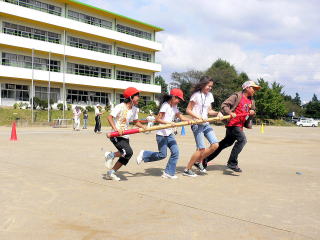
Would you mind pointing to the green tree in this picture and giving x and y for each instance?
(312, 108)
(227, 80)
(270, 101)
(297, 99)
(160, 81)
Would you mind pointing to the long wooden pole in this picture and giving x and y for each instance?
(171, 125)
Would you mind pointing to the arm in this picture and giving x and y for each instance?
(111, 122)
(140, 125)
(183, 118)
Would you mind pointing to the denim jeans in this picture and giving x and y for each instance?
(233, 134)
(164, 142)
(201, 131)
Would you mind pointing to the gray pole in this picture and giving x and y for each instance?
(64, 74)
(32, 78)
(49, 87)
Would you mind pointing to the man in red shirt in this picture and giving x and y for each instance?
(237, 103)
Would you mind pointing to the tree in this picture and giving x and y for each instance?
(297, 99)
(185, 81)
(270, 101)
(160, 81)
(312, 108)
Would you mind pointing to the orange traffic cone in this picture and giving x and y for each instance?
(14, 132)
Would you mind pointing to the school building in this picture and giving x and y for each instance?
(74, 52)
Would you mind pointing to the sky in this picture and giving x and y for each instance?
(277, 40)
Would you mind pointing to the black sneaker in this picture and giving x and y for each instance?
(234, 168)
(200, 167)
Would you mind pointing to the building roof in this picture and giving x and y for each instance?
(155, 28)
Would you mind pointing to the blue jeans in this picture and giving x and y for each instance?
(164, 143)
(203, 130)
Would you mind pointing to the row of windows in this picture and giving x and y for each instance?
(16, 92)
(128, 53)
(85, 70)
(23, 31)
(133, 32)
(33, 33)
(21, 93)
(90, 45)
(89, 19)
(10, 59)
(44, 7)
(133, 77)
(87, 97)
(42, 93)
(81, 17)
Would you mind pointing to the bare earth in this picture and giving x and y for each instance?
(52, 187)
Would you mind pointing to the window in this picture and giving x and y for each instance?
(90, 45)
(22, 61)
(44, 7)
(15, 92)
(145, 100)
(27, 32)
(42, 93)
(133, 32)
(133, 77)
(87, 97)
(85, 70)
(89, 19)
(123, 52)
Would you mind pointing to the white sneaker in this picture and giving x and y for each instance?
(139, 158)
(166, 175)
(109, 156)
(112, 176)
(189, 173)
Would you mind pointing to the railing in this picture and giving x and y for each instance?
(41, 6)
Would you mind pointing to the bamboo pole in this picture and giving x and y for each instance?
(171, 125)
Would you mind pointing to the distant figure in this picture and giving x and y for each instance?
(150, 120)
(85, 119)
(76, 118)
(98, 113)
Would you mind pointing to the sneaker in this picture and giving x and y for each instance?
(139, 158)
(234, 168)
(166, 175)
(189, 173)
(109, 156)
(112, 176)
(200, 167)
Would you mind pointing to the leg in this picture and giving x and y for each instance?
(96, 126)
(199, 138)
(149, 156)
(224, 143)
(99, 124)
(213, 140)
(238, 146)
(172, 163)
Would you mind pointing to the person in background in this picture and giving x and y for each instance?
(98, 113)
(150, 120)
(85, 119)
(76, 118)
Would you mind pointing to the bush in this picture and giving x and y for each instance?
(60, 107)
(90, 108)
(151, 106)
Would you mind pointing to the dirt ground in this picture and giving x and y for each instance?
(52, 187)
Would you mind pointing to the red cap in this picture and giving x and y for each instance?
(177, 92)
(130, 91)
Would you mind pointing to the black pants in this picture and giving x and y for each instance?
(97, 127)
(123, 145)
(232, 134)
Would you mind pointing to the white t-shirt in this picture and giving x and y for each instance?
(96, 111)
(202, 103)
(123, 116)
(169, 116)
